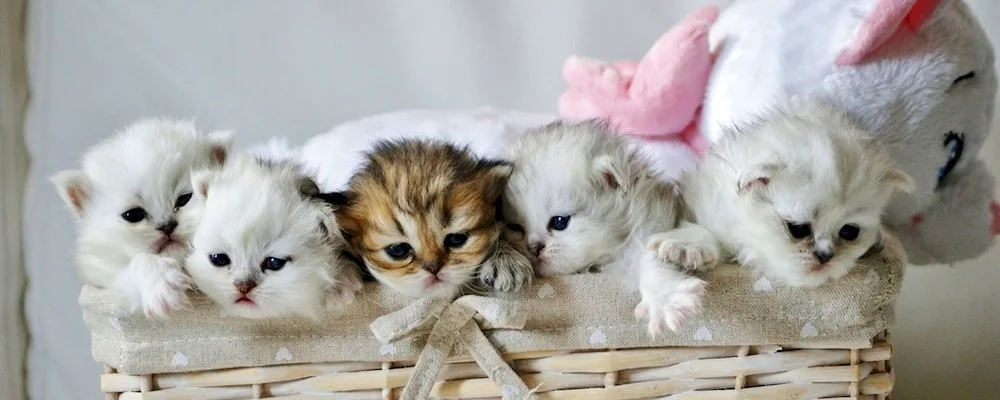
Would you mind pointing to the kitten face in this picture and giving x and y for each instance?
(423, 215)
(131, 194)
(265, 245)
(565, 198)
(810, 192)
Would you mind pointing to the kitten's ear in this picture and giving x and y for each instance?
(221, 142)
(74, 188)
(498, 169)
(308, 188)
(610, 173)
(899, 180)
(756, 178)
(336, 199)
(200, 180)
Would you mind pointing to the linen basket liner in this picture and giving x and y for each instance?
(587, 311)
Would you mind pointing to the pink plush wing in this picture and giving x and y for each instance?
(885, 18)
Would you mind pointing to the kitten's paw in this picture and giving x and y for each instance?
(344, 292)
(168, 292)
(508, 271)
(667, 306)
(683, 252)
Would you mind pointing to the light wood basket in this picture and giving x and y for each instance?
(858, 370)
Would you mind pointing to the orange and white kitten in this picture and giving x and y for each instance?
(425, 218)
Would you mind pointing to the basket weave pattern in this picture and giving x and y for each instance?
(828, 371)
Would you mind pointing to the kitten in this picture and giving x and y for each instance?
(797, 194)
(129, 197)
(423, 216)
(266, 242)
(582, 198)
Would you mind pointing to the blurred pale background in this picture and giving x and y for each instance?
(297, 68)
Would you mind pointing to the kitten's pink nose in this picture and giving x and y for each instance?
(431, 267)
(995, 210)
(245, 287)
(536, 248)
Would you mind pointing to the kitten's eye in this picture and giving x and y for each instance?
(798, 230)
(954, 143)
(455, 240)
(516, 228)
(182, 200)
(273, 263)
(850, 232)
(134, 215)
(559, 222)
(970, 75)
(398, 251)
(219, 259)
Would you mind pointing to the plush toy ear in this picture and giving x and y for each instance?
(611, 174)
(899, 180)
(200, 181)
(221, 141)
(74, 188)
(885, 18)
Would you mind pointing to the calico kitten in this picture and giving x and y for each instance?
(797, 194)
(423, 216)
(266, 243)
(129, 198)
(584, 198)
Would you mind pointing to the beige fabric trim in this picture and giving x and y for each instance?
(13, 171)
(590, 311)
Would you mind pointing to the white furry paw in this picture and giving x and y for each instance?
(166, 292)
(507, 271)
(685, 252)
(344, 292)
(667, 306)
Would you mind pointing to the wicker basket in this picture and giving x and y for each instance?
(756, 339)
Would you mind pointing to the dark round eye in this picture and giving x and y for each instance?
(559, 222)
(954, 144)
(516, 228)
(850, 232)
(219, 259)
(273, 263)
(398, 251)
(182, 200)
(798, 230)
(455, 240)
(134, 215)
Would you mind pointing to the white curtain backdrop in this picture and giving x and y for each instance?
(297, 68)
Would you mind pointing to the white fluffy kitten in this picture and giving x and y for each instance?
(583, 197)
(128, 198)
(266, 243)
(797, 194)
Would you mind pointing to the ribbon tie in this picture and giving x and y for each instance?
(449, 322)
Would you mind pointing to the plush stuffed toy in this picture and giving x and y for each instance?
(917, 73)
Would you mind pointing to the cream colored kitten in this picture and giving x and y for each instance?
(584, 198)
(798, 194)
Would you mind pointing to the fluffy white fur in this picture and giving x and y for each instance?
(804, 164)
(614, 201)
(144, 168)
(906, 94)
(252, 210)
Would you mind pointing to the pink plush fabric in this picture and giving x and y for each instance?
(882, 22)
(658, 97)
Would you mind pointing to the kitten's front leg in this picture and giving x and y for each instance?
(668, 296)
(689, 246)
(346, 287)
(507, 270)
(157, 285)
